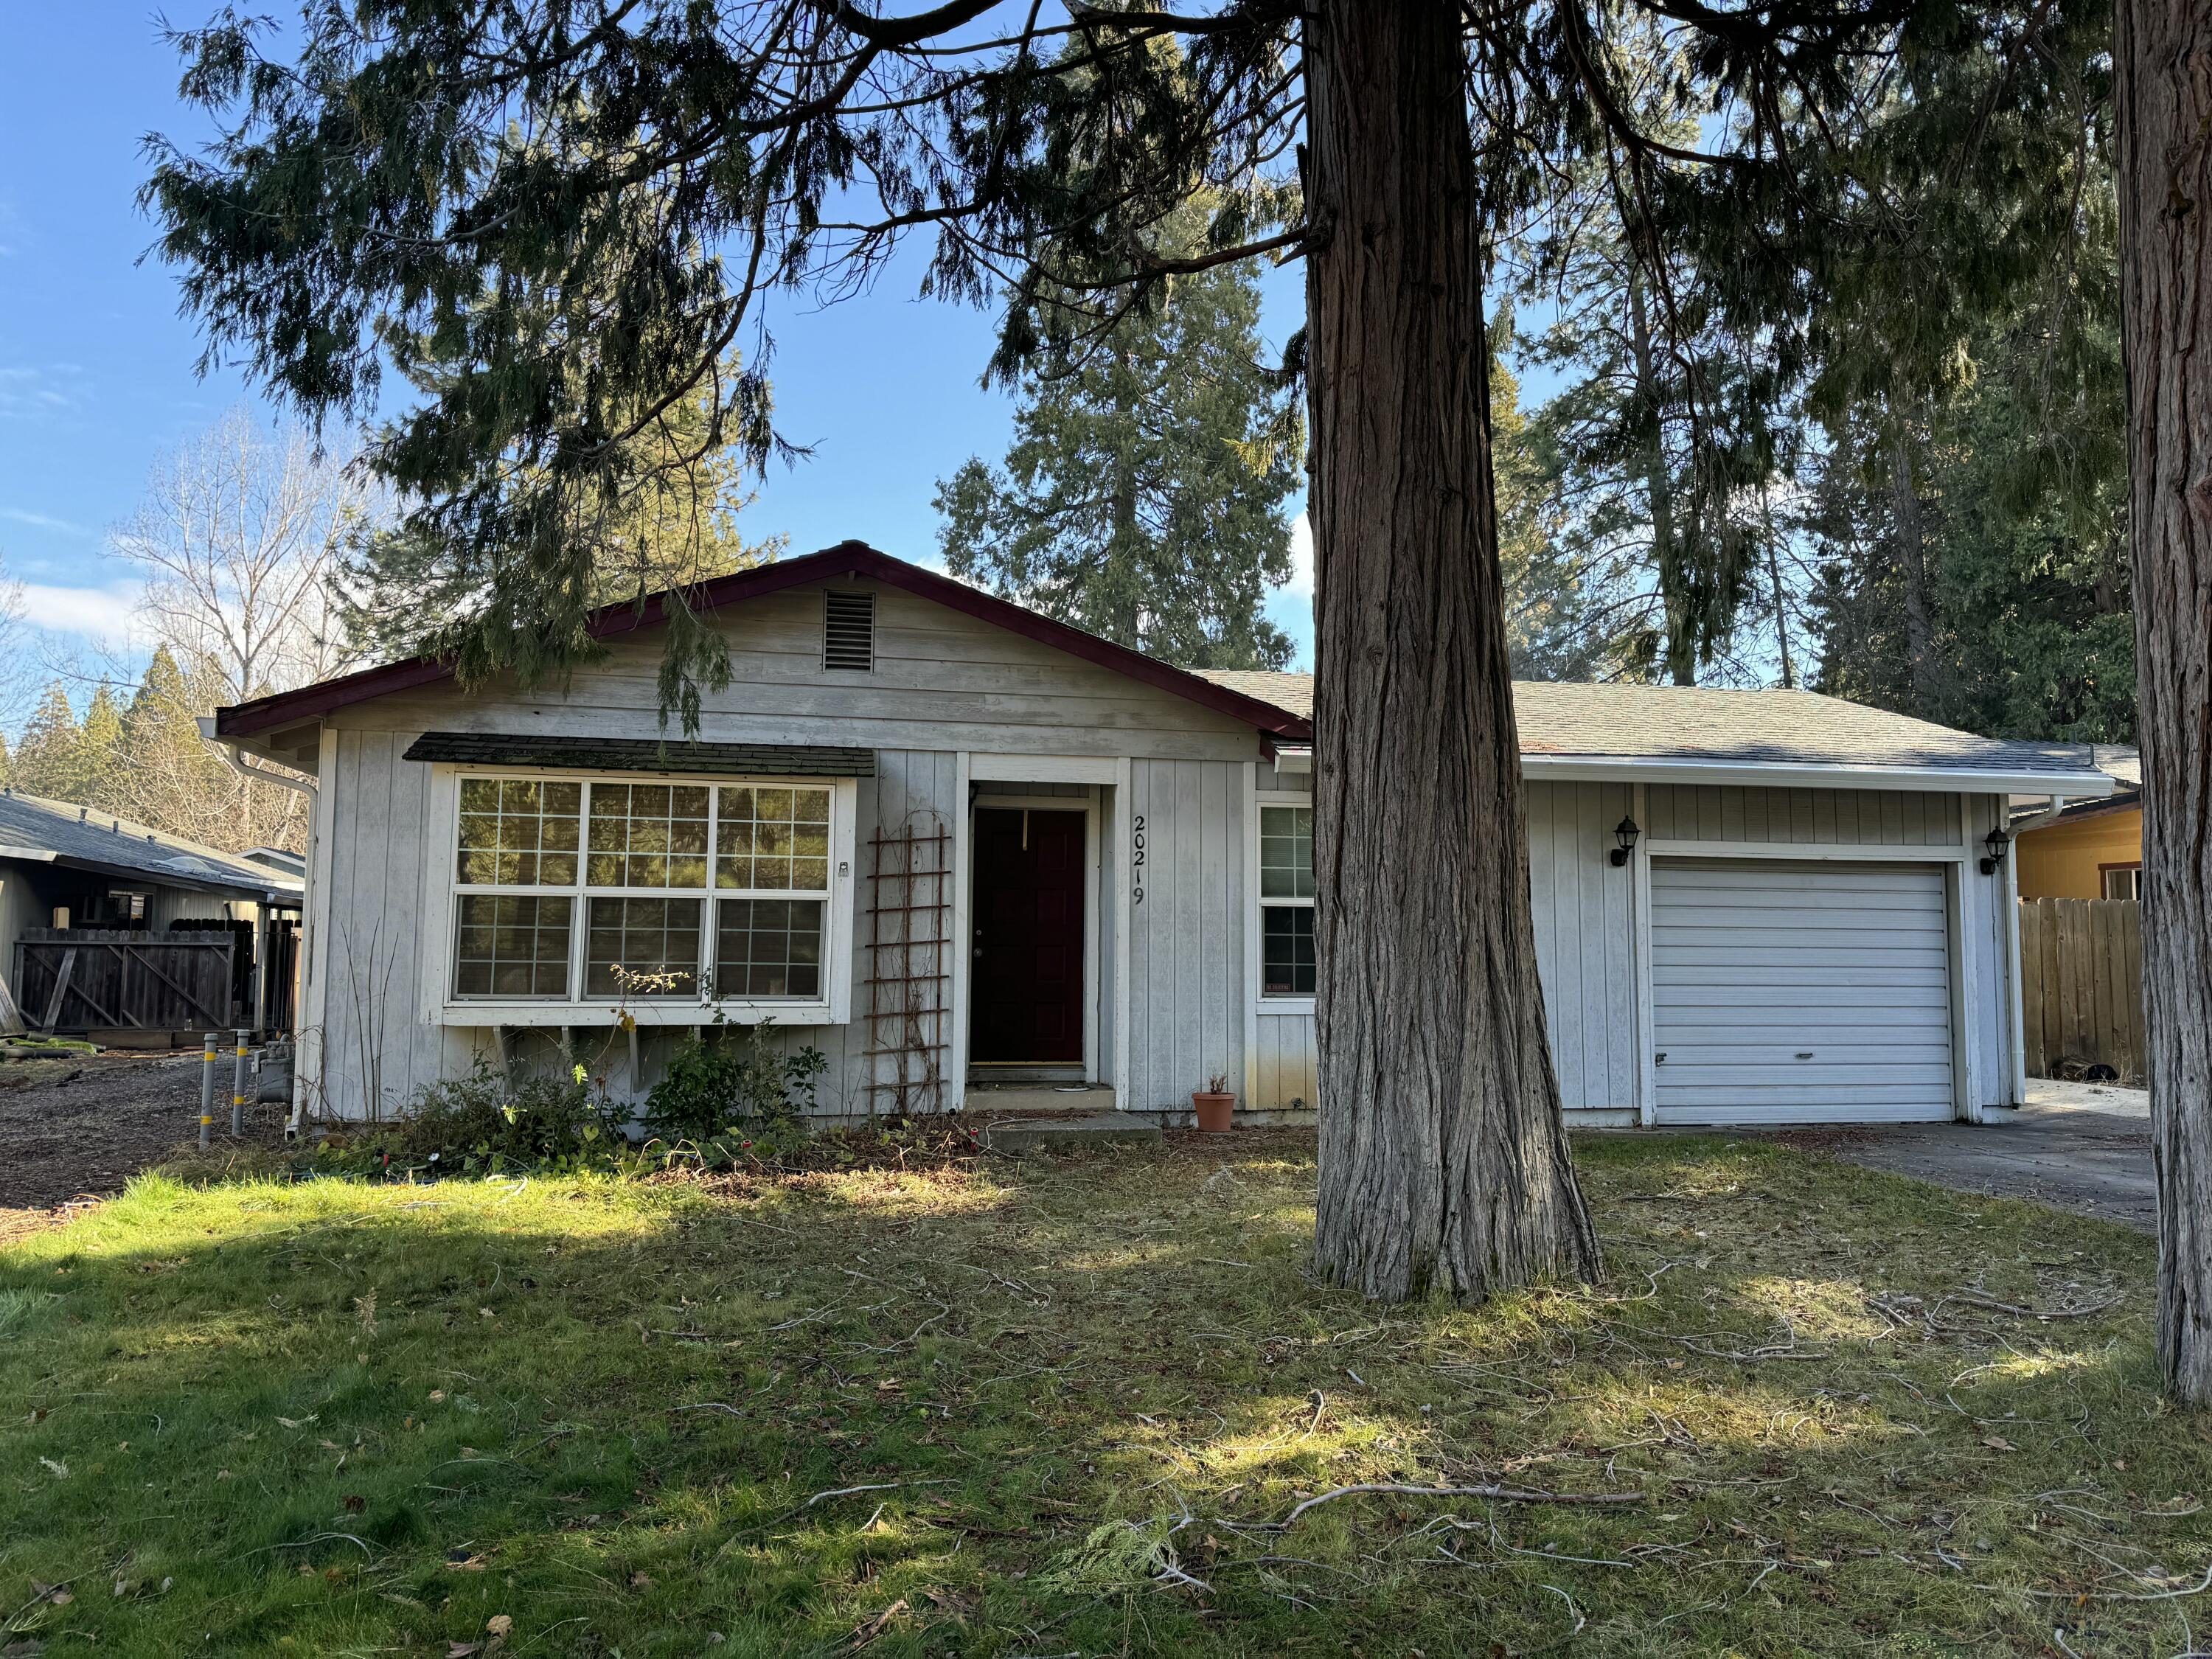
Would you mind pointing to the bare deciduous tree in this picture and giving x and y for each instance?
(239, 535)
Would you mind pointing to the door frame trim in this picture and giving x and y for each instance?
(1093, 979)
(1965, 1071)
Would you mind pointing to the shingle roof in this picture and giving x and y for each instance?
(77, 835)
(1702, 723)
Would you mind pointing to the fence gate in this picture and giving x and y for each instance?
(2080, 982)
(81, 979)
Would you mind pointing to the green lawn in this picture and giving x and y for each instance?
(1069, 1402)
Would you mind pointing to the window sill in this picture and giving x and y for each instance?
(547, 1015)
(1285, 1005)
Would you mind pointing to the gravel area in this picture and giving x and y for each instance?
(81, 1127)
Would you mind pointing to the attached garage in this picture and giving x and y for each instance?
(1801, 991)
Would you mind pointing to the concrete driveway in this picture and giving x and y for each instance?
(2084, 1147)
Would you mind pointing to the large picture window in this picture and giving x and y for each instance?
(1286, 902)
(591, 890)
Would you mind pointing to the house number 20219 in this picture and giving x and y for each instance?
(1137, 859)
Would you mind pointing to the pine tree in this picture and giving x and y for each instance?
(1143, 497)
(172, 780)
(2024, 626)
(46, 761)
(97, 760)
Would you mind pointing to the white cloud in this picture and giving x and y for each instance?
(46, 521)
(1302, 558)
(109, 615)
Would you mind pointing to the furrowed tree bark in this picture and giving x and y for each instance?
(1444, 1163)
(2163, 58)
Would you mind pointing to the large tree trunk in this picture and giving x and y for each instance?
(2163, 54)
(1443, 1164)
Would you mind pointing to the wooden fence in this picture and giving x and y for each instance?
(80, 979)
(2080, 982)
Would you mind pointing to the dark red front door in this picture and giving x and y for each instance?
(1027, 989)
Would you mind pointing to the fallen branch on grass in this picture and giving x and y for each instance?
(881, 1485)
(1499, 1494)
(1975, 1299)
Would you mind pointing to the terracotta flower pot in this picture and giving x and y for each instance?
(1216, 1113)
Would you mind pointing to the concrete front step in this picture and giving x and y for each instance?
(985, 1099)
(1030, 1135)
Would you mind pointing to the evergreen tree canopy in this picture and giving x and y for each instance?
(1143, 496)
(49, 761)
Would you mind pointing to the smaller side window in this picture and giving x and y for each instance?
(1286, 902)
(2123, 881)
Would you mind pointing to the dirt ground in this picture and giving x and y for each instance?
(81, 1127)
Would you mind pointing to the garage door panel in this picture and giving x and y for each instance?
(1838, 968)
(1721, 918)
(1777, 1031)
(1754, 963)
(1869, 988)
(1689, 1072)
(1838, 876)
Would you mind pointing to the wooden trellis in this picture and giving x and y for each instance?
(909, 965)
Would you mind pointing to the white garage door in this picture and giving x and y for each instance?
(1814, 993)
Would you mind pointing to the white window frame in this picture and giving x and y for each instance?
(443, 890)
(1270, 1002)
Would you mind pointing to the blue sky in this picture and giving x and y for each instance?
(97, 366)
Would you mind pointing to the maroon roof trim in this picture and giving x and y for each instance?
(246, 720)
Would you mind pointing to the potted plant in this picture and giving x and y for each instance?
(1215, 1106)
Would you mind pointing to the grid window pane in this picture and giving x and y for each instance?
(1286, 852)
(1286, 950)
(768, 947)
(518, 832)
(776, 838)
(657, 937)
(511, 945)
(647, 835)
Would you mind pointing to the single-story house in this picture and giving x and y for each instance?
(2086, 849)
(70, 870)
(949, 841)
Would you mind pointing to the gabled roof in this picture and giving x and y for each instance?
(847, 558)
(1704, 729)
(38, 830)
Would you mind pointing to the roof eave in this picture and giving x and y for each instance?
(1806, 775)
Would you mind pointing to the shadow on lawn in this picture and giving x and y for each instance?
(1057, 1408)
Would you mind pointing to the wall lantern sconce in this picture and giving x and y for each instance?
(1996, 842)
(1625, 833)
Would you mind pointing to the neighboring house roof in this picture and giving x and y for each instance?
(847, 558)
(282, 859)
(41, 831)
(1703, 730)
(2122, 800)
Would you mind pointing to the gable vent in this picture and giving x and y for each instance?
(848, 631)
